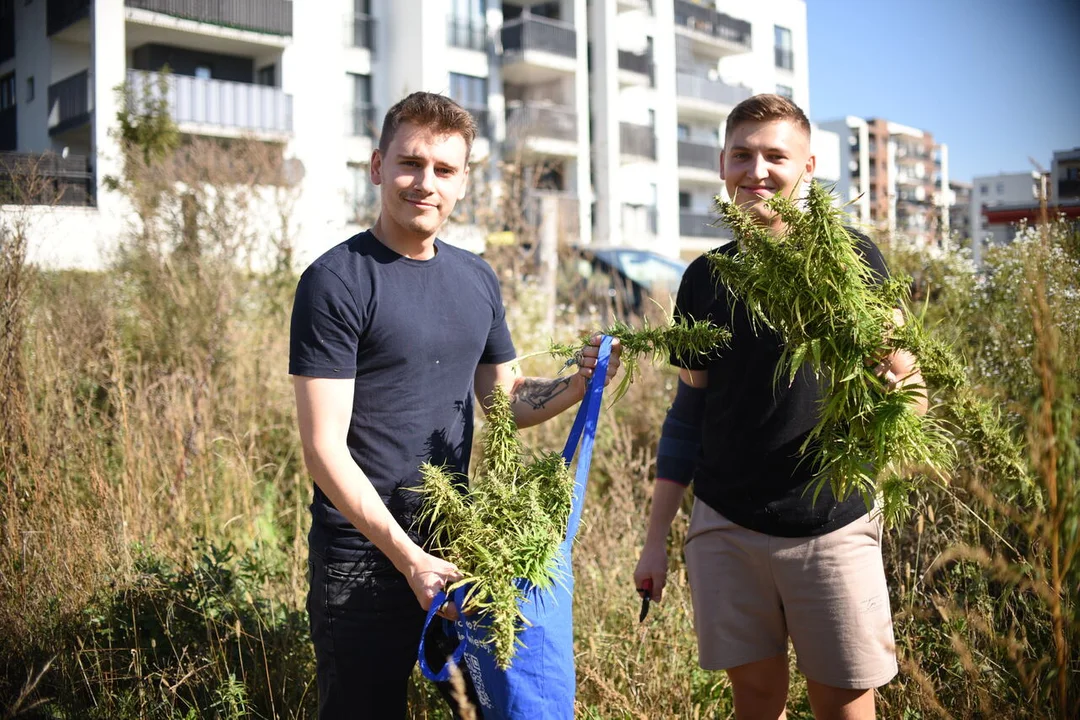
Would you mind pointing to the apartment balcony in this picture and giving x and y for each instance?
(70, 103)
(701, 225)
(712, 34)
(639, 223)
(360, 31)
(60, 14)
(49, 179)
(538, 50)
(542, 207)
(535, 129)
(707, 100)
(637, 142)
(360, 132)
(220, 108)
(470, 34)
(699, 163)
(635, 69)
(631, 5)
(360, 121)
(271, 17)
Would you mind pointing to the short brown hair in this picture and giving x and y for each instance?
(436, 113)
(765, 108)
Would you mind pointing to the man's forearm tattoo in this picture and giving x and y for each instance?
(536, 392)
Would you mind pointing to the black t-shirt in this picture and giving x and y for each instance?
(750, 469)
(411, 333)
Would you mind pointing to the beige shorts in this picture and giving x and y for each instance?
(827, 593)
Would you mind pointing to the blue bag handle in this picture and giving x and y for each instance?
(584, 429)
(443, 675)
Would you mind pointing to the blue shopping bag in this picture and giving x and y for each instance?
(541, 682)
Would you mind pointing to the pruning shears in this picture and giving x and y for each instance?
(645, 591)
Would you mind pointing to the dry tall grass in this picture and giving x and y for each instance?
(154, 503)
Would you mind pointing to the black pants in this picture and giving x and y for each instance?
(366, 626)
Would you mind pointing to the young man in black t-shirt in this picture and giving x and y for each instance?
(766, 561)
(393, 333)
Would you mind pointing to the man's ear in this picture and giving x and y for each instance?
(376, 167)
(464, 183)
(722, 164)
(811, 165)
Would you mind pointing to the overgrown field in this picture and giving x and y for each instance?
(153, 500)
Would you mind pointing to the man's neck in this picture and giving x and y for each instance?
(416, 247)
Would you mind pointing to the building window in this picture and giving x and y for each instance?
(785, 91)
(785, 55)
(472, 94)
(1000, 188)
(468, 24)
(361, 113)
(7, 91)
(29, 88)
(682, 132)
(203, 72)
(984, 189)
(684, 200)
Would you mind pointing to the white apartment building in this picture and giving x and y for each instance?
(895, 177)
(611, 111)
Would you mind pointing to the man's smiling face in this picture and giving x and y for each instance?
(762, 159)
(422, 177)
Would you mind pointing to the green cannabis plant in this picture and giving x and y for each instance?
(506, 528)
(811, 285)
(680, 337)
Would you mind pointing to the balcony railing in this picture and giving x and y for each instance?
(361, 120)
(240, 106)
(69, 102)
(555, 123)
(482, 118)
(637, 140)
(709, 21)
(699, 155)
(535, 33)
(61, 13)
(49, 179)
(701, 225)
(274, 17)
(702, 88)
(360, 31)
(467, 34)
(640, 63)
(566, 218)
(785, 59)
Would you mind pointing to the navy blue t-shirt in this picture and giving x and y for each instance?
(411, 333)
(750, 469)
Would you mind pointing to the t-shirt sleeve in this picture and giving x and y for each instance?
(691, 303)
(499, 347)
(873, 257)
(326, 326)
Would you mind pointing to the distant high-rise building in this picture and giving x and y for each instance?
(895, 177)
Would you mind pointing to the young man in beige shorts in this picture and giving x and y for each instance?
(766, 561)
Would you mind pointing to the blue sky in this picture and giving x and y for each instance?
(997, 80)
